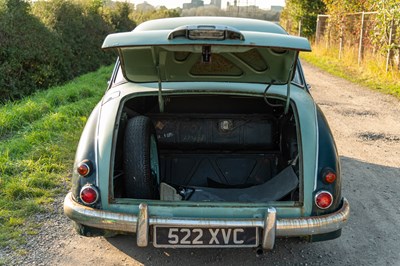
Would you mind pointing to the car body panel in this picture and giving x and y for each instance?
(87, 150)
(316, 150)
(272, 55)
(328, 159)
(160, 38)
(255, 28)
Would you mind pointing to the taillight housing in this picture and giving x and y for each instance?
(329, 176)
(89, 194)
(323, 199)
(84, 168)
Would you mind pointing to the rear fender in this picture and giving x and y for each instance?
(86, 150)
(327, 159)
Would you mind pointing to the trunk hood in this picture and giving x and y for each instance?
(207, 51)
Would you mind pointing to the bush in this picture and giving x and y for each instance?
(118, 16)
(29, 53)
(50, 42)
(81, 31)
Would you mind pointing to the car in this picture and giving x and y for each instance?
(207, 137)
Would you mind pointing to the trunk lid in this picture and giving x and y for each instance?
(207, 49)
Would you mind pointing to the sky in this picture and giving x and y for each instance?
(264, 4)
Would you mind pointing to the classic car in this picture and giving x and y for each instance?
(207, 136)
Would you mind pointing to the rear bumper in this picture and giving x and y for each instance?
(271, 226)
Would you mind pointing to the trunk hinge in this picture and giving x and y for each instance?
(156, 60)
(288, 87)
(287, 98)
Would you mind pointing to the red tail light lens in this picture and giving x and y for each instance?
(89, 194)
(329, 177)
(323, 199)
(84, 168)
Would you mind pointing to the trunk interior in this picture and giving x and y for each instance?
(216, 148)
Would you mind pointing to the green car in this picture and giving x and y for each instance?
(207, 136)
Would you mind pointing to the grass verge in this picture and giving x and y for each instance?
(38, 137)
(371, 72)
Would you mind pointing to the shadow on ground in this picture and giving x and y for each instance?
(368, 238)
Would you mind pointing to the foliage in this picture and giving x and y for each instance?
(339, 23)
(29, 53)
(388, 23)
(143, 15)
(118, 16)
(304, 11)
(233, 11)
(80, 30)
(371, 74)
(383, 33)
(39, 135)
(44, 43)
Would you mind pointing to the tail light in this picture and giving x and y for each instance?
(323, 199)
(89, 194)
(84, 168)
(329, 177)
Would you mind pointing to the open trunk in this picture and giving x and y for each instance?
(207, 148)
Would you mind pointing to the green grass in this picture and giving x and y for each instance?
(370, 73)
(38, 138)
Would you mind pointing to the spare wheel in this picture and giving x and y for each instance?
(140, 163)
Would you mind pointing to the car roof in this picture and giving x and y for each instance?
(242, 24)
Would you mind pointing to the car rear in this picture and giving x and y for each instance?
(207, 137)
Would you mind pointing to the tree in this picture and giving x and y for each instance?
(387, 30)
(338, 11)
(301, 15)
(117, 16)
(142, 15)
(80, 28)
(29, 52)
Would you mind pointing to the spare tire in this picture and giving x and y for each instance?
(140, 159)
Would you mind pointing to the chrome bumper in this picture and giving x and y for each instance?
(271, 225)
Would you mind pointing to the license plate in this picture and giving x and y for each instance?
(205, 237)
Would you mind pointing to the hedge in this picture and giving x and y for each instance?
(49, 42)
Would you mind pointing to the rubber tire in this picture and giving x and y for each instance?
(88, 231)
(139, 180)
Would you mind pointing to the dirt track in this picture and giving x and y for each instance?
(366, 126)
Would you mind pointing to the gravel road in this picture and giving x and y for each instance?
(366, 125)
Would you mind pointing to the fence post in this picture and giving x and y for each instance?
(360, 46)
(389, 53)
(317, 30)
(299, 33)
(341, 38)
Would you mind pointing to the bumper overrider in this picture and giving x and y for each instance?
(271, 226)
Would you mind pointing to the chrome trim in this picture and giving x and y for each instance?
(96, 144)
(314, 225)
(95, 190)
(320, 192)
(88, 167)
(317, 146)
(301, 226)
(142, 235)
(269, 229)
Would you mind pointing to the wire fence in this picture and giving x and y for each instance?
(358, 32)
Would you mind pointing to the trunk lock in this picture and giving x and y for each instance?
(226, 125)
